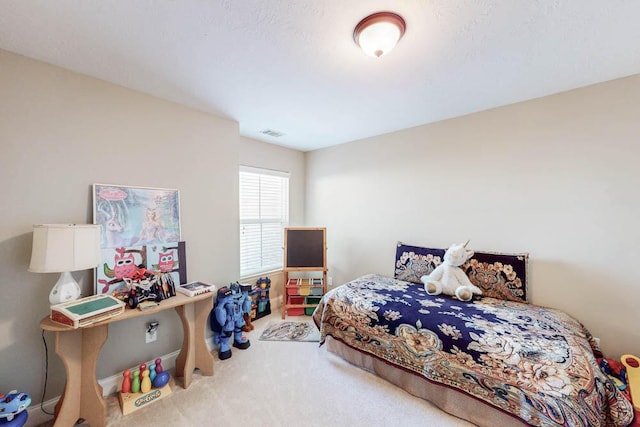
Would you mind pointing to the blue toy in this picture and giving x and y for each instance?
(227, 318)
(161, 379)
(12, 405)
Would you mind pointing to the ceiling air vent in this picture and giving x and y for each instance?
(273, 133)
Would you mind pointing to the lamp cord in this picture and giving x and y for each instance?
(46, 375)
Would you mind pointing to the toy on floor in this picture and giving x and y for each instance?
(246, 304)
(227, 318)
(632, 363)
(12, 406)
(142, 386)
(448, 278)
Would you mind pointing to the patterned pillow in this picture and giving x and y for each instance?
(499, 275)
(413, 262)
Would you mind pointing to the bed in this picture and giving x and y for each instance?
(496, 360)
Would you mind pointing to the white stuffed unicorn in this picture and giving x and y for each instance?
(448, 278)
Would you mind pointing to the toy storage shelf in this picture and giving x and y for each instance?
(305, 251)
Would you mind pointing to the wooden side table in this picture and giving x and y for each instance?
(79, 350)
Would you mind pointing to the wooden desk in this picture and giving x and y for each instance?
(79, 350)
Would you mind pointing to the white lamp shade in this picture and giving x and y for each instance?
(65, 247)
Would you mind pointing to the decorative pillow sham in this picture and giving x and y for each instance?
(499, 275)
(413, 262)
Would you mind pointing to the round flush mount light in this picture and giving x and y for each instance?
(377, 34)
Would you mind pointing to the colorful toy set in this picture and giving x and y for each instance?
(144, 285)
(228, 318)
(143, 386)
(632, 365)
(625, 375)
(13, 408)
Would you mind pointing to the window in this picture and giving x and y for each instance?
(264, 212)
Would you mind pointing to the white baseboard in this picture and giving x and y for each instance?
(110, 385)
(36, 416)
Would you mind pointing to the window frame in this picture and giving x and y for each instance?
(283, 220)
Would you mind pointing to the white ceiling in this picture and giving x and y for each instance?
(292, 65)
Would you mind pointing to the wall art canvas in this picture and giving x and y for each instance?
(140, 235)
(125, 262)
(134, 216)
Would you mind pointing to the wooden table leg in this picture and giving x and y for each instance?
(69, 348)
(204, 359)
(194, 352)
(93, 407)
(82, 396)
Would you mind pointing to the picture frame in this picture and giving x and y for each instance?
(136, 216)
(140, 231)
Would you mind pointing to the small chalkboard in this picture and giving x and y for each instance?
(305, 248)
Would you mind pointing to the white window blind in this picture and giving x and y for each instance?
(264, 212)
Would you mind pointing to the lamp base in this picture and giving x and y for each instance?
(65, 289)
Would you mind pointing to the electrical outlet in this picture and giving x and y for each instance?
(151, 334)
(597, 340)
(330, 281)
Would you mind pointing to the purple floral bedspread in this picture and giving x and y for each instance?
(535, 363)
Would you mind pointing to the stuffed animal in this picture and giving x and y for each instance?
(448, 278)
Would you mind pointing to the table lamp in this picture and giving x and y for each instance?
(63, 248)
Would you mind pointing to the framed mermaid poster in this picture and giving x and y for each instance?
(140, 229)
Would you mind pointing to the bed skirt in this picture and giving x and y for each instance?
(445, 398)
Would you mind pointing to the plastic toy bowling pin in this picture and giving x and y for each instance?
(146, 382)
(143, 367)
(135, 384)
(159, 366)
(152, 371)
(126, 382)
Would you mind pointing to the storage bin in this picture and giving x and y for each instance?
(295, 299)
(293, 290)
(311, 300)
(316, 291)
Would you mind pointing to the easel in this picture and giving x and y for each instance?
(305, 250)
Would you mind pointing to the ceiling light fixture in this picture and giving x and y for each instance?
(377, 34)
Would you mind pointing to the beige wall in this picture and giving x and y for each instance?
(60, 132)
(556, 177)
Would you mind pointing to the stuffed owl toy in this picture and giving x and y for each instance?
(448, 278)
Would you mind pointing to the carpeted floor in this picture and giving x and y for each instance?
(279, 383)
